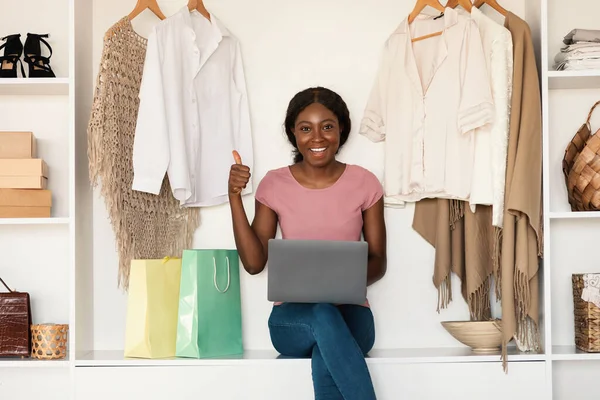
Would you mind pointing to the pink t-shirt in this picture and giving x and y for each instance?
(333, 213)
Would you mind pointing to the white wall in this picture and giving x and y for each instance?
(288, 46)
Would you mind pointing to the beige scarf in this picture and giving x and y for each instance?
(468, 245)
(145, 226)
(522, 244)
(464, 247)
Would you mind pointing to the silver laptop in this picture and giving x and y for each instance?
(317, 271)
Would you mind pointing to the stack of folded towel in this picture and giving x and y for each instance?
(581, 51)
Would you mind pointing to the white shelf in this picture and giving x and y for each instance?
(33, 363)
(574, 215)
(574, 79)
(34, 221)
(571, 353)
(261, 357)
(34, 86)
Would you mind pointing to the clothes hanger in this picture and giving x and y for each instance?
(492, 3)
(466, 4)
(198, 5)
(144, 4)
(420, 6)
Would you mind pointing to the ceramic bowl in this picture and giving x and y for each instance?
(481, 336)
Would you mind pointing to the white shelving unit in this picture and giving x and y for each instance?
(570, 353)
(34, 221)
(33, 87)
(264, 357)
(574, 215)
(38, 253)
(31, 363)
(573, 79)
(569, 236)
(405, 356)
(70, 256)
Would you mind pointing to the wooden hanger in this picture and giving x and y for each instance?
(198, 5)
(420, 6)
(466, 4)
(492, 3)
(144, 4)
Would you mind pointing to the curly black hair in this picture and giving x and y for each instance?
(327, 98)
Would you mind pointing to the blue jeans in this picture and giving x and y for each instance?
(337, 338)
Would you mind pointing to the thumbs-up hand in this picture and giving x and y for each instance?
(239, 175)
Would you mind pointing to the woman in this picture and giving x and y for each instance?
(317, 198)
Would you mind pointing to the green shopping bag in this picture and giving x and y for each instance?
(210, 311)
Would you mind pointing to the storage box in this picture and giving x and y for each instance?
(25, 198)
(24, 212)
(17, 145)
(586, 302)
(23, 167)
(23, 182)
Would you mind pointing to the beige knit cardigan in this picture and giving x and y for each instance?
(146, 226)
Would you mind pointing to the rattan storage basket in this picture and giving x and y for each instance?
(581, 168)
(49, 341)
(586, 315)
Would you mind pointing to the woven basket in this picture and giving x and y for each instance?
(49, 341)
(587, 319)
(581, 168)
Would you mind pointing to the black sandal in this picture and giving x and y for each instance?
(39, 66)
(13, 48)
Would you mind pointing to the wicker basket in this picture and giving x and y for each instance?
(49, 341)
(581, 168)
(587, 316)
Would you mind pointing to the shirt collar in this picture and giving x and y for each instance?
(217, 27)
(477, 14)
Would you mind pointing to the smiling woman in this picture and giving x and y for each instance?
(317, 198)
(317, 111)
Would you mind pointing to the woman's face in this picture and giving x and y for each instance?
(317, 133)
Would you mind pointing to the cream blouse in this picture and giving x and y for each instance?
(428, 99)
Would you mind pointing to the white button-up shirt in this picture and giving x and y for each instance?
(491, 141)
(193, 110)
(428, 98)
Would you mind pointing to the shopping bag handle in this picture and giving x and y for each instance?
(228, 275)
(6, 286)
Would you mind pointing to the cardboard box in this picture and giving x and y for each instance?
(23, 182)
(24, 212)
(17, 145)
(23, 167)
(25, 198)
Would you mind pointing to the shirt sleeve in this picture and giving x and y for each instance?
(151, 154)
(502, 73)
(264, 191)
(476, 105)
(373, 190)
(373, 122)
(242, 125)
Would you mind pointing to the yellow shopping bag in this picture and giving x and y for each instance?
(152, 307)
